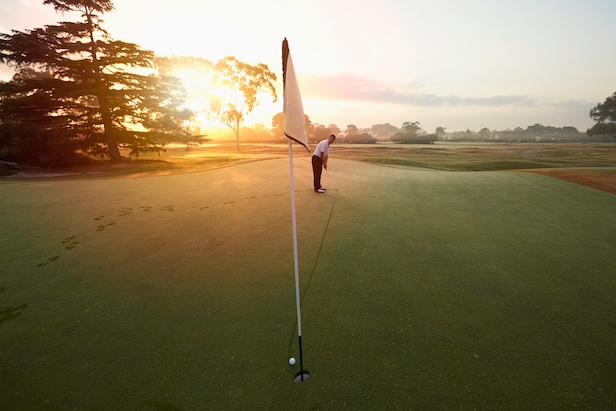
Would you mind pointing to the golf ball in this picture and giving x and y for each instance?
(291, 361)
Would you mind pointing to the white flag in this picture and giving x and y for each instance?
(294, 123)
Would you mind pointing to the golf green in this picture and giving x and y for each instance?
(420, 290)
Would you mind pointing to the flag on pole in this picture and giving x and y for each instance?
(295, 130)
(293, 111)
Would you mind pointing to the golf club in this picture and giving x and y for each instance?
(329, 176)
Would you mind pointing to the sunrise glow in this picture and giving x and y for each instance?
(457, 65)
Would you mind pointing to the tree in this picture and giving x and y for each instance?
(412, 138)
(408, 127)
(334, 129)
(351, 130)
(257, 133)
(244, 82)
(278, 125)
(197, 77)
(77, 89)
(321, 132)
(484, 134)
(383, 131)
(605, 116)
(412, 133)
(358, 138)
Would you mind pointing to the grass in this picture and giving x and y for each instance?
(475, 163)
(441, 156)
(426, 289)
(489, 156)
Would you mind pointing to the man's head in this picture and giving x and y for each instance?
(331, 139)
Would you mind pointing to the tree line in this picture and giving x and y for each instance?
(78, 94)
(412, 133)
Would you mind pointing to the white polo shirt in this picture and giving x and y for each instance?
(322, 147)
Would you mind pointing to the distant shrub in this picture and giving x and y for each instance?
(412, 138)
(363, 138)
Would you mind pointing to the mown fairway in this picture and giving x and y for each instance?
(422, 289)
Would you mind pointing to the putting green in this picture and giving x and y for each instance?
(421, 289)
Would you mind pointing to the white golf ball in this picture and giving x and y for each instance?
(291, 361)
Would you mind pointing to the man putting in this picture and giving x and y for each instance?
(319, 160)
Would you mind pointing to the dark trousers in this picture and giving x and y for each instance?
(317, 169)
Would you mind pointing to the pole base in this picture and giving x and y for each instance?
(301, 376)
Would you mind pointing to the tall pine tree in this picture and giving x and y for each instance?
(605, 116)
(76, 90)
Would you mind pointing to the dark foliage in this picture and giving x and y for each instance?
(79, 93)
(605, 116)
(413, 138)
(363, 138)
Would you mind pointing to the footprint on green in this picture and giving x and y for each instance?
(49, 260)
(68, 239)
(125, 211)
(71, 245)
(102, 227)
(9, 313)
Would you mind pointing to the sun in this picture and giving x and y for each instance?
(207, 94)
(202, 89)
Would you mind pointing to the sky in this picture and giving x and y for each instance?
(458, 64)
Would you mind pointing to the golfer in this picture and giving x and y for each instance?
(319, 160)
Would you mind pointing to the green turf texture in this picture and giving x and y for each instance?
(421, 289)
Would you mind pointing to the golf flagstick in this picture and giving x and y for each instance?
(296, 266)
(294, 129)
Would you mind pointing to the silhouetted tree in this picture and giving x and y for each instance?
(484, 134)
(605, 116)
(414, 127)
(321, 132)
(383, 131)
(245, 82)
(412, 138)
(75, 90)
(414, 134)
(358, 138)
(351, 130)
(197, 77)
(334, 129)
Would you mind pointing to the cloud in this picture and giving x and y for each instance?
(353, 87)
(573, 105)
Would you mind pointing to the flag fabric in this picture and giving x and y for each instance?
(293, 111)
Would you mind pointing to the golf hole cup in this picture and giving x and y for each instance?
(291, 361)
